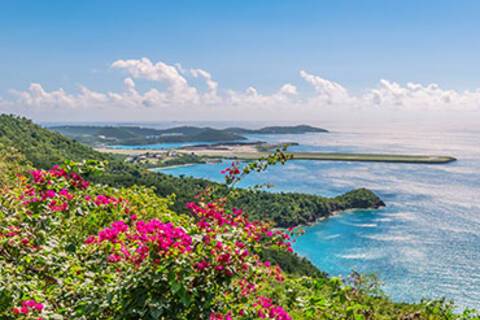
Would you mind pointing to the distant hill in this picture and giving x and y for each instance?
(299, 129)
(126, 135)
(129, 135)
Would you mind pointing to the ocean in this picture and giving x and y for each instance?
(424, 244)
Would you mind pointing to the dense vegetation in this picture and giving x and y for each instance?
(70, 249)
(130, 135)
(150, 161)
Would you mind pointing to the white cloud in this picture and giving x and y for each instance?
(211, 96)
(288, 90)
(35, 95)
(414, 96)
(179, 97)
(328, 92)
(178, 88)
(251, 97)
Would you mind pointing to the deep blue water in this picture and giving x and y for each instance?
(425, 243)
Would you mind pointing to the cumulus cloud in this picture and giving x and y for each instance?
(288, 89)
(177, 91)
(211, 96)
(326, 91)
(251, 97)
(414, 96)
(35, 95)
(178, 88)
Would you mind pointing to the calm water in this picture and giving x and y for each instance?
(425, 243)
(161, 146)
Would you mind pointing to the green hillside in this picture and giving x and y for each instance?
(131, 135)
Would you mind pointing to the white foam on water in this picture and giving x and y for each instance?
(332, 236)
(362, 255)
(390, 237)
(361, 225)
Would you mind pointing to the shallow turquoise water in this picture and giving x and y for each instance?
(425, 243)
(158, 146)
(166, 145)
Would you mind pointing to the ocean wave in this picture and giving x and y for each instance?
(399, 216)
(332, 236)
(366, 255)
(389, 237)
(361, 225)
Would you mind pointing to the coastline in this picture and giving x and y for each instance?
(157, 169)
(337, 213)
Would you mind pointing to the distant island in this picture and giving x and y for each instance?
(134, 135)
(278, 130)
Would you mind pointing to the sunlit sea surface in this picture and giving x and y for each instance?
(425, 243)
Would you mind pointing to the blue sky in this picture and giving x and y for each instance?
(64, 44)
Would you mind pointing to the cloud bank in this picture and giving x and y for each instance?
(170, 91)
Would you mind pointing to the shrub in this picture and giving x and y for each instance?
(90, 251)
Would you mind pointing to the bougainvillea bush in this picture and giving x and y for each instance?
(70, 249)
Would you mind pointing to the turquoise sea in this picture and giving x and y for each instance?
(424, 243)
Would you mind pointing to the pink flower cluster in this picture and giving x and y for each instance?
(219, 316)
(264, 308)
(267, 310)
(213, 215)
(41, 177)
(56, 202)
(77, 181)
(28, 307)
(18, 237)
(103, 200)
(234, 258)
(231, 171)
(135, 243)
(12, 232)
(43, 188)
(213, 221)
